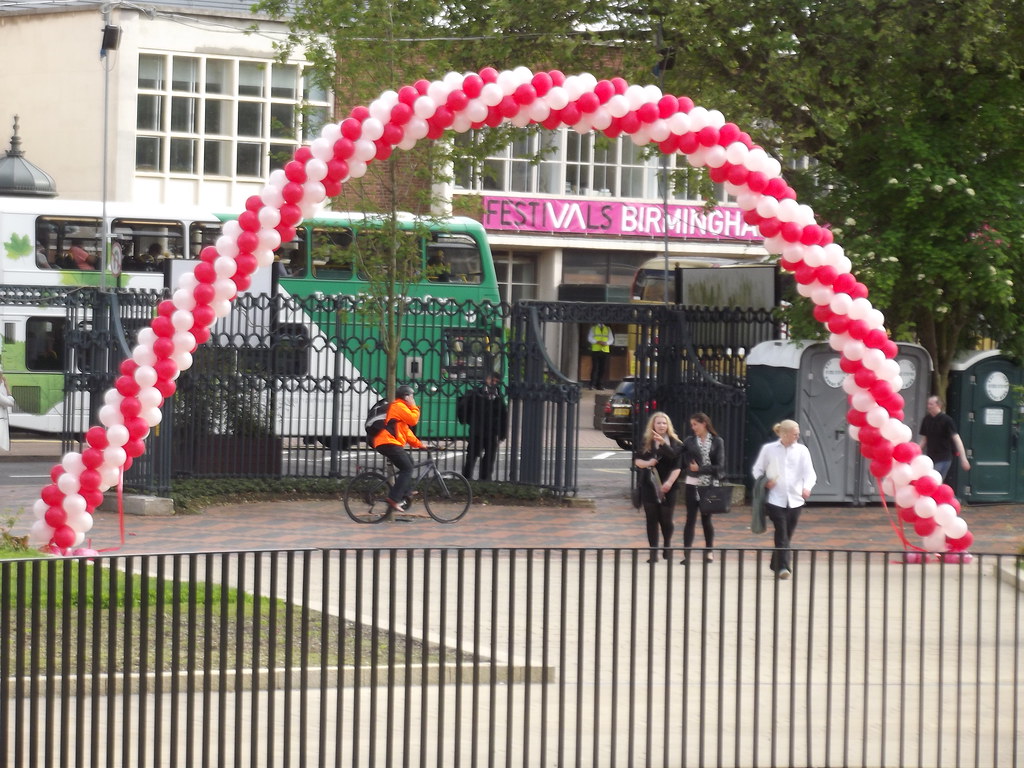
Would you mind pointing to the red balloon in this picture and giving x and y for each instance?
(943, 494)
(343, 148)
(131, 407)
(908, 515)
(351, 128)
(393, 134)
(631, 124)
(205, 272)
(92, 458)
(166, 370)
(587, 103)
(287, 233)
(527, 94)
(162, 326)
(719, 175)
(295, 171)
(605, 89)
(810, 235)
(648, 113)
(128, 367)
(127, 386)
(906, 452)
(92, 498)
(791, 231)
(685, 103)
(490, 75)
(443, 117)
(247, 264)
(876, 338)
(97, 437)
(757, 181)
(961, 544)
(707, 136)
(571, 114)
(166, 308)
(200, 333)
(856, 418)
(472, 85)
(671, 145)
(737, 174)
(827, 274)
(248, 242)
(304, 154)
(728, 134)
(89, 480)
(55, 517)
(865, 378)
(209, 254)
(880, 467)
(292, 192)
(384, 151)
(204, 295)
(869, 435)
(881, 390)
(688, 143)
(164, 347)
(407, 94)
(52, 495)
(291, 214)
(64, 537)
(166, 387)
(839, 324)
(242, 282)
(137, 428)
(926, 486)
(775, 187)
(55, 472)
(752, 217)
(823, 313)
(844, 283)
(667, 106)
(253, 203)
(134, 448)
(400, 113)
(924, 526)
(850, 366)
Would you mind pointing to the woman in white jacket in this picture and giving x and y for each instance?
(6, 404)
(790, 479)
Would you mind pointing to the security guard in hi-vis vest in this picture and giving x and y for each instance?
(600, 338)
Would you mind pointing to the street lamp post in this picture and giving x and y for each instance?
(111, 39)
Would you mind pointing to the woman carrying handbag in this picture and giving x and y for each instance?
(704, 462)
(657, 462)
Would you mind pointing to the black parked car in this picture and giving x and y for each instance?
(620, 414)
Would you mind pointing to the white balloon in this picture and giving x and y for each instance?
(925, 506)
(150, 397)
(81, 522)
(110, 415)
(804, 289)
(373, 129)
(715, 118)
(860, 309)
(747, 200)
(873, 359)
(653, 94)
(224, 289)
(145, 376)
(316, 169)
(935, 542)
(438, 91)
(227, 246)
(184, 359)
(117, 435)
(849, 385)
(407, 142)
(313, 192)
(755, 160)
(900, 475)
(74, 504)
(113, 397)
(424, 107)
(715, 156)
(944, 515)
(225, 267)
(39, 508)
(364, 150)
(699, 118)
(659, 132)
(356, 168)
(40, 533)
(556, 98)
(854, 350)
(146, 336)
(698, 158)
(109, 476)
(736, 153)
(768, 207)
(184, 299)
(476, 111)
(774, 244)
(272, 196)
(804, 215)
(678, 123)
(573, 87)
(114, 456)
(271, 238)
(773, 168)
(822, 295)
(453, 80)
(182, 320)
(417, 128)
(68, 483)
(521, 119)
(863, 401)
(838, 341)
(491, 95)
(878, 417)
(906, 496)
(323, 147)
(788, 209)
(264, 257)
(508, 82)
(601, 118)
(841, 304)
(920, 466)
(635, 97)
(152, 416)
(956, 528)
(854, 432)
(618, 106)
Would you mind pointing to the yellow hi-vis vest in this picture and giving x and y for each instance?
(600, 338)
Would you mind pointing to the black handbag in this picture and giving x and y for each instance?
(714, 499)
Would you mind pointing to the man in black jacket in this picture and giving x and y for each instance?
(486, 413)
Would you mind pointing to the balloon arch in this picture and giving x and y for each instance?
(459, 102)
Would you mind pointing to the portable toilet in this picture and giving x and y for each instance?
(802, 380)
(985, 407)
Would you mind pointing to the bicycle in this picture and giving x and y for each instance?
(446, 494)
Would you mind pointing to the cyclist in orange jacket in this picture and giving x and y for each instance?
(403, 414)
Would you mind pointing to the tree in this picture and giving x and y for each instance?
(911, 114)
(359, 50)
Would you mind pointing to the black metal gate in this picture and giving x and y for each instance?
(684, 360)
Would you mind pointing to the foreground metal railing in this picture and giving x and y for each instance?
(510, 657)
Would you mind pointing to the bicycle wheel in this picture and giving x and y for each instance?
(366, 498)
(447, 496)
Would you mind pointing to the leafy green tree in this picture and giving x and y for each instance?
(911, 113)
(361, 49)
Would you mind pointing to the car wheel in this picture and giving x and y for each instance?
(626, 445)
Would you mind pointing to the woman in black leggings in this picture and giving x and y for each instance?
(658, 467)
(704, 461)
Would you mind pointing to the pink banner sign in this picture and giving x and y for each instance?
(608, 217)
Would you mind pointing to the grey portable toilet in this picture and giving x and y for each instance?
(982, 403)
(802, 380)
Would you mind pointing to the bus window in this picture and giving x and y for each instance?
(333, 258)
(468, 353)
(75, 242)
(147, 244)
(44, 344)
(454, 258)
(200, 235)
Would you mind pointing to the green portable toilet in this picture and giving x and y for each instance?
(984, 405)
(802, 380)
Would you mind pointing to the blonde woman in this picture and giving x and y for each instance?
(790, 479)
(658, 461)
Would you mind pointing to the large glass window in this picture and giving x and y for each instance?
(564, 162)
(222, 116)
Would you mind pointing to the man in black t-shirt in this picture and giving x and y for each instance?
(940, 440)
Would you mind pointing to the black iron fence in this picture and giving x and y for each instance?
(510, 657)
